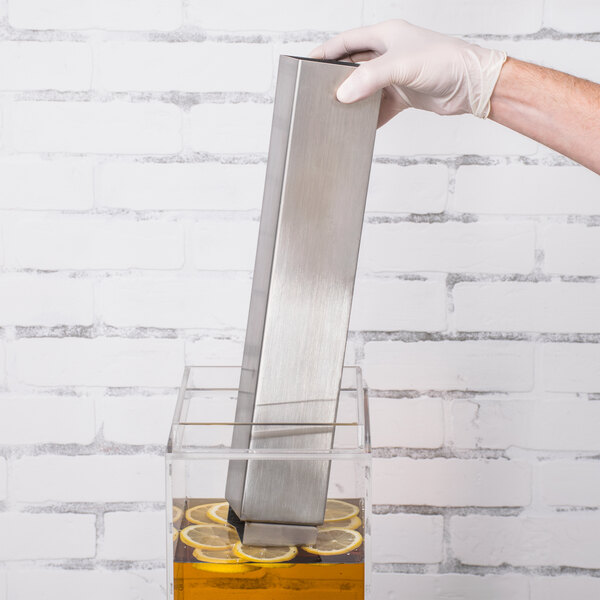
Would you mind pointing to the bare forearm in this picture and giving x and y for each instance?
(556, 109)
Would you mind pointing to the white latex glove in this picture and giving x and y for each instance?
(415, 67)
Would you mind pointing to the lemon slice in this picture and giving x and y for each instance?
(352, 523)
(334, 540)
(217, 556)
(218, 513)
(209, 537)
(264, 554)
(198, 514)
(175, 533)
(338, 510)
(177, 513)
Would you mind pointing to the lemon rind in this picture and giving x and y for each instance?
(189, 511)
(358, 540)
(193, 544)
(291, 553)
(211, 514)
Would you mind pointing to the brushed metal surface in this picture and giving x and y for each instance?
(313, 207)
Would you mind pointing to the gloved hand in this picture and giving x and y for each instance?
(415, 67)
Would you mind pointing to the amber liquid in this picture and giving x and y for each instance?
(306, 577)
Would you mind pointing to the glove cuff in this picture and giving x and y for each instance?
(490, 64)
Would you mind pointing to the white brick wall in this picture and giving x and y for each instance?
(88, 479)
(526, 190)
(30, 183)
(451, 482)
(45, 66)
(130, 15)
(133, 141)
(54, 419)
(396, 586)
(407, 422)
(75, 242)
(94, 127)
(98, 584)
(482, 366)
(569, 540)
(407, 538)
(65, 535)
(515, 306)
(170, 66)
(565, 424)
(133, 536)
(179, 186)
(462, 16)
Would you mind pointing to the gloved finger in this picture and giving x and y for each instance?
(361, 39)
(366, 80)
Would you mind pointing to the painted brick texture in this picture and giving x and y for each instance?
(133, 144)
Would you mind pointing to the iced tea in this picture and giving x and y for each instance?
(308, 575)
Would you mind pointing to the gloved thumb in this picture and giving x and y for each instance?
(366, 80)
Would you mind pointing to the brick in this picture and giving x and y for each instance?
(571, 367)
(56, 536)
(406, 422)
(565, 586)
(3, 474)
(569, 540)
(31, 183)
(212, 302)
(91, 242)
(449, 365)
(551, 425)
(418, 189)
(231, 128)
(45, 66)
(406, 538)
(391, 305)
(574, 16)
(177, 186)
(224, 245)
(88, 479)
(526, 190)
(434, 482)
(99, 584)
(99, 361)
(399, 586)
(335, 15)
(135, 419)
(94, 127)
(461, 16)
(210, 351)
(570, 483)
(571, 249)
(515, 306)
(27, 419)
(418, 132)
(65, 301)
(187, 66)
(448, 247)
(133, 15)
(133, 536)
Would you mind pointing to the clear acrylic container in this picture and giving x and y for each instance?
(205, 560)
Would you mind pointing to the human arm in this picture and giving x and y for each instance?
(556, 109)
(419, 68)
